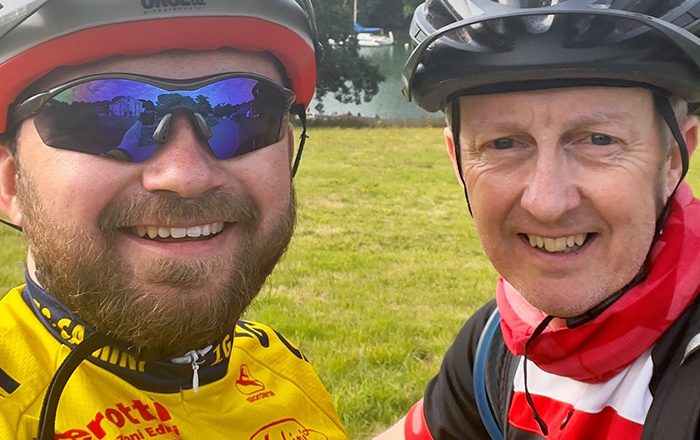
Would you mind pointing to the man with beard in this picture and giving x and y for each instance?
(147, 156)
(569, 132)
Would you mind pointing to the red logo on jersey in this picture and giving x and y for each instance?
(246, 383)
(143, 418)
(287, 429)
(250, 386)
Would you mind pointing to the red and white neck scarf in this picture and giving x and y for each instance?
(605, 347)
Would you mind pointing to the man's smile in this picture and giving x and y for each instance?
(198, 231)
(566, 244)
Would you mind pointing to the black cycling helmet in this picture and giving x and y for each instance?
(487, 46)
(37, 36)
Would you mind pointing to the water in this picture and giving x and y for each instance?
(389, 103)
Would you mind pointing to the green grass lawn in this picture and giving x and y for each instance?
(384, 268)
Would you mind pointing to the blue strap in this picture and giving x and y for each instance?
(482, 399)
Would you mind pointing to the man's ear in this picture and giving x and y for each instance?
(9, 204)
(450, 145)
(690, 133)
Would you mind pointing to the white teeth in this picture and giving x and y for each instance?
(567, 244)
(178, 232)
(152, 231)
(192, 232)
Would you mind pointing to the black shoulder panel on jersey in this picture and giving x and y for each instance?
(675, 410)
(7, 384)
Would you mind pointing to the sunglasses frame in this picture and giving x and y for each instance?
(33, 105)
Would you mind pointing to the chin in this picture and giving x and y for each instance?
(564, 306)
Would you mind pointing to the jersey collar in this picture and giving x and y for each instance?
(193, 369)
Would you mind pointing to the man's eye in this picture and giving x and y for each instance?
(601, 139)
(503, 143)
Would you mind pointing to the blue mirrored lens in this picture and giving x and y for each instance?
(124, 118)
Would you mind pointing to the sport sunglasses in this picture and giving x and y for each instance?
(127, 116)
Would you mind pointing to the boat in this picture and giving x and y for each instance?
(373, 36)
(370, 36)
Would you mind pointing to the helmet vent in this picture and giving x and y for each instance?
(529, 3)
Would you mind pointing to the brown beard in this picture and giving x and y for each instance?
(162, 307)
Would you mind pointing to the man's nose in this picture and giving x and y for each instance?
(551, 188)
(183, 163)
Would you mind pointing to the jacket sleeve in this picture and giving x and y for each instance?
(449, 407)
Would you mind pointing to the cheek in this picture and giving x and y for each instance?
(637, 222)
(491, 205)
(479, 184)
(74, 187)
(628, 249)
(633, 200)
(491, 193)
(265, 177)
(630, 211)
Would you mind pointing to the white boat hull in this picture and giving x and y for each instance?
(366, 39)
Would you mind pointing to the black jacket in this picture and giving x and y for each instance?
(451, 411)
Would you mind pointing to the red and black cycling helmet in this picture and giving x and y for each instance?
(487, 46)
(37, 36)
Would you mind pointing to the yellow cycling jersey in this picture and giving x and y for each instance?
(252, 385)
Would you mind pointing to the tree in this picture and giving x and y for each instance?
(203, 105)
(389, 14)
(342, 72)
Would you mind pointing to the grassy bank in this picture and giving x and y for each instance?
(374, 284)
(384, 268)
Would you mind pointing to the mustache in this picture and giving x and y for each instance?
(169, 209)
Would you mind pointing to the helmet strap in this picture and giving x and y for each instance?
(301, 113)
(455, 127)
(663, 106)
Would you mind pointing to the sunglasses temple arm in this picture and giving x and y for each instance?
(301, 113)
